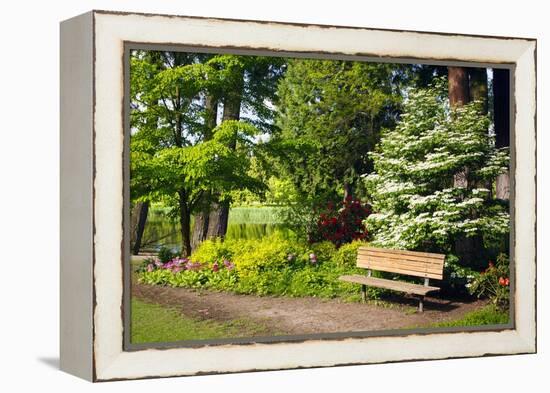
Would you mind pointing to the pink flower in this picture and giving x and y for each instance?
(215, 267)
(168, 265)
(230, 266)
(193, 265)
(150, 267)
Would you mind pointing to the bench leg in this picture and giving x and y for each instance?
(421, 304)
(364, 293)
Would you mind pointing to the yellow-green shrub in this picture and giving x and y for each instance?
(271, 253)
(346, 256)
(211, 251)
(273, 265)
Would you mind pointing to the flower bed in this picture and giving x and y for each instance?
(269, 266)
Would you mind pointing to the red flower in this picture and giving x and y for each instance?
(502, 281)
(343, 225)
(506, 281)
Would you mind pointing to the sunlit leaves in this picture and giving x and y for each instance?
(417, 204)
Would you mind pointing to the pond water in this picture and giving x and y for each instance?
(244, 223)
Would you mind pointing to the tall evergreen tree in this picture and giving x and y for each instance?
(330, 116)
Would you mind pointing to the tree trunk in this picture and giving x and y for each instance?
(142, 208)
(478, 87)
(459, 95)
(210, 116)
(501, 93)
(200, 228)
(202, 218)
(219, 216)
(134, 217)
(218, 220)
(185, 224)
(348, 191)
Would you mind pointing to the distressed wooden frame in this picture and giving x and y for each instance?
(93, 189)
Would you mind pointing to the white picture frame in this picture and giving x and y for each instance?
(93, 171)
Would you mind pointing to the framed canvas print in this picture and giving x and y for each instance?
(244, 195)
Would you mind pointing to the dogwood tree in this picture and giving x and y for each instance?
(417, 204)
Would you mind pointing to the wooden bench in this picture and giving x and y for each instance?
(410, 263)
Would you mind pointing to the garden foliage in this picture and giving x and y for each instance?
(416, 203)
(343, 223)
(494, 283)
(306, 132)
(179, 154)
(330, 114)
(269, 266)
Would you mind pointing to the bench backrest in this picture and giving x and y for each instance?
(411, 263)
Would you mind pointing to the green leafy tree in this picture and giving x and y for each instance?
(178, 155)
(417, 203)
(181, 176)
(246, 88)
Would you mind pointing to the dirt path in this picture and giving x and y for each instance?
(304, 315)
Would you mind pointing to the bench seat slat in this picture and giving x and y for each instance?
(409, 265)
(366, 252)
(390, 284)
(399, 270)
(428, 255)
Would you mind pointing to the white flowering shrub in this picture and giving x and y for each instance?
(415, 201)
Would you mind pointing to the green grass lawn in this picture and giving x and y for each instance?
(488, 315)
(155, 323)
